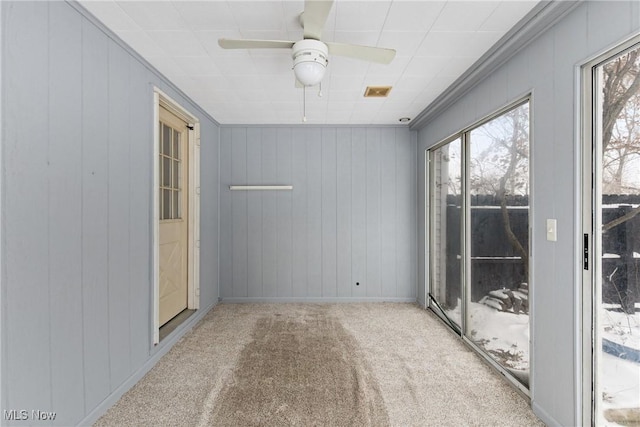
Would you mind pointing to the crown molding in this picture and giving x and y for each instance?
(543, 16)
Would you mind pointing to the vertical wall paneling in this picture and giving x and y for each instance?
(239, 203)
(498, 89)
(65, 212)
(269, 219)
(3, 295)
(561, 108)
(284, 237)
(94, 214)
(254, 213)
(349, 219)
(406, 226)
(76, 193)
(359, 238)
(226, 213)
(542, 194)
(388, 212)
(329, 212)
(621, 15)
(423, 251)
(118, 211)
(209, 213)
(26, 228)
(412, 158)
(515, 76)
(299, 213)
(343, 212)
(140, 166)
(373, 212)
(313, 142)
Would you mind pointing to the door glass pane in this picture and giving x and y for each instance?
(498, 305)
(445, 238)
(618, 309)
(176, 174)
(176, 144)
(166, 140)
(166, 172)
(176, 205)
(166, 204)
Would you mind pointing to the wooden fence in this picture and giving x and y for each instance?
(495, 263)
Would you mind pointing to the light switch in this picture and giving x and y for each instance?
(552, 230)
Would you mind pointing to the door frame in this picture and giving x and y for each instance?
(589, 250)
(193, 225)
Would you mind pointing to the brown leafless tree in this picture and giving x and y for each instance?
(620, 122)
(503, 168)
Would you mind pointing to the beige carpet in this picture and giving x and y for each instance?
(321, 364)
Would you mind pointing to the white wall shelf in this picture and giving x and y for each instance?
(260, 187)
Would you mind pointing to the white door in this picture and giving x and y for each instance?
(173, 229)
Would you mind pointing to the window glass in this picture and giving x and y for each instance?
(617, 310)
(498, 294)
(445, 166)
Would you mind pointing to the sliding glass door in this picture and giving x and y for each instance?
(479, 237)
(498, 305)
(445, 168)
(612, 218)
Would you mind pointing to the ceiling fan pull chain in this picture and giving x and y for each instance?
(304, 104)
(320, 91)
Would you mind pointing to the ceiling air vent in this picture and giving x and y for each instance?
(377, 91)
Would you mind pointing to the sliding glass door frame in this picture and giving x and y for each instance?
(465, 235)
(589, 245)
(589, 267)
(430, 227)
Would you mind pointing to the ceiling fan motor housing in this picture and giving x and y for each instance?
(310, 59)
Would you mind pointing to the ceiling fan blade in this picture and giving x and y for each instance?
(367, 53)
(254, 44)
(314, 16)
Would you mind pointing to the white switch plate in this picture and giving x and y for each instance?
(552, 230)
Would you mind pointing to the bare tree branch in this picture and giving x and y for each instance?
(615, 93)
(624, 218)
(502, 193)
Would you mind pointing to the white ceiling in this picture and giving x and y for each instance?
(436, 41)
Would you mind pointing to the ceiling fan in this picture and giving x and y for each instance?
(311, 55)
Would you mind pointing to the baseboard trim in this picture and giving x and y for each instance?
(156, 354)
(241, 300)
(543, 415)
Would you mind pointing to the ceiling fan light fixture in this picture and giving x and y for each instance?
(310, 58)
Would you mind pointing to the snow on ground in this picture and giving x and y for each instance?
(610, 256)
(620, 382)
(617, 205)
(620, 327)
(502, 334)
(619, 378)
(506, 337)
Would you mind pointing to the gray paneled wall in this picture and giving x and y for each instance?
(547, 68)
(77, 144)
(350, 218)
